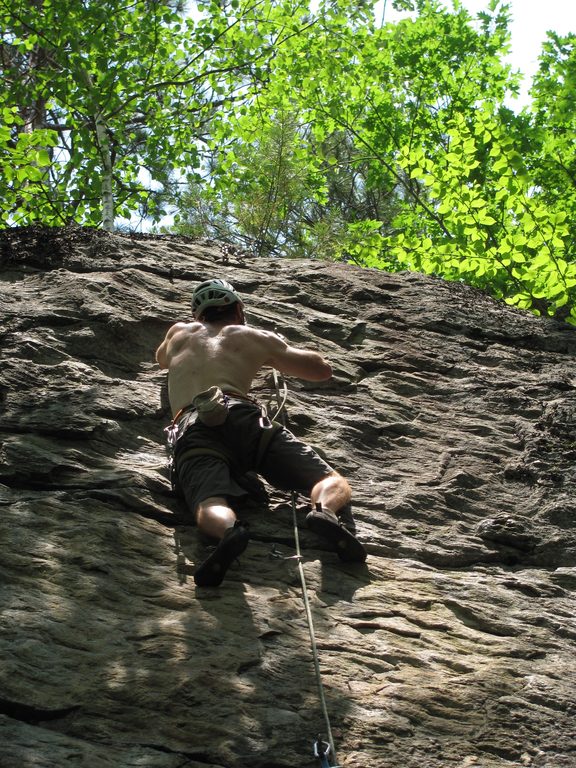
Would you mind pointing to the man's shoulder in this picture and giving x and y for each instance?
(184, 325)
(256, 334)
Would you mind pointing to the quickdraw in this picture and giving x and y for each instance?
(322, 750)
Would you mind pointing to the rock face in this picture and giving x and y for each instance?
(453, 418)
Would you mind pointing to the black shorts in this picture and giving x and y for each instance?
(232, 450)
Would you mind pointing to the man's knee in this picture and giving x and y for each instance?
(214, 516)
(210, 502)
(334, 479)
(334, 486)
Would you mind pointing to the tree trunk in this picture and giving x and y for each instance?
(107, 165)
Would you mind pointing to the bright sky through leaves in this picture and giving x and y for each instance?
(531, 19)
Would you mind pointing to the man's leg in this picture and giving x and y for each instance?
(332, 493)
(329, 497)
(290, 463)
(215, 518)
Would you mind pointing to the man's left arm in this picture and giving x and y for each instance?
(162, 357)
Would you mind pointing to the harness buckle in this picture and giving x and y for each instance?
(171, 435)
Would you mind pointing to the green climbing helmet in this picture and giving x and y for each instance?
(213, 293)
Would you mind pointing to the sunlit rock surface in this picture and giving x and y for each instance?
(452, 416)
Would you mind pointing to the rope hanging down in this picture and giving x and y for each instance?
(322, 749)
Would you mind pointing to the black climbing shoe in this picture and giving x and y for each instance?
(325, 524)
(211, 572)
(346, 518)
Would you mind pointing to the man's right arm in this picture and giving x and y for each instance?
(302, 363)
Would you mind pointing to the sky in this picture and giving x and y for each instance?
(531, 19)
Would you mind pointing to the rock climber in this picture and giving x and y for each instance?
(220, 433)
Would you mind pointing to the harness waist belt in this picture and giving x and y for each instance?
(231, 399)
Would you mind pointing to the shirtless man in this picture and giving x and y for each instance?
(219, 350)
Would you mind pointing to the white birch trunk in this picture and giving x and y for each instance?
(107, 185)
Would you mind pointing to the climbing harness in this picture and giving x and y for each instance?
(322, 749)
(211, 408)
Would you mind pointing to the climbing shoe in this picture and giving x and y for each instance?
(346, 518)
(211, 572)
(326, 524)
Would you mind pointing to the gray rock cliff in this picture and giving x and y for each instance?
(452, 416)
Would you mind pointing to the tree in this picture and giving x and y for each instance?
(552, 156)
(118, 96)
(358, 95)
(267, 196)
(313, 133)
(466, 188)
(280, 182)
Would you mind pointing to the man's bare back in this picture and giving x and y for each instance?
(200, 355)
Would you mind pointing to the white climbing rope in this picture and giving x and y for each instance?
(311, 631)
(321, 753)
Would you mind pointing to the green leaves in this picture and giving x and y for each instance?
(305, 130)
(497, 232)
(23, 158)
(129, 90)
